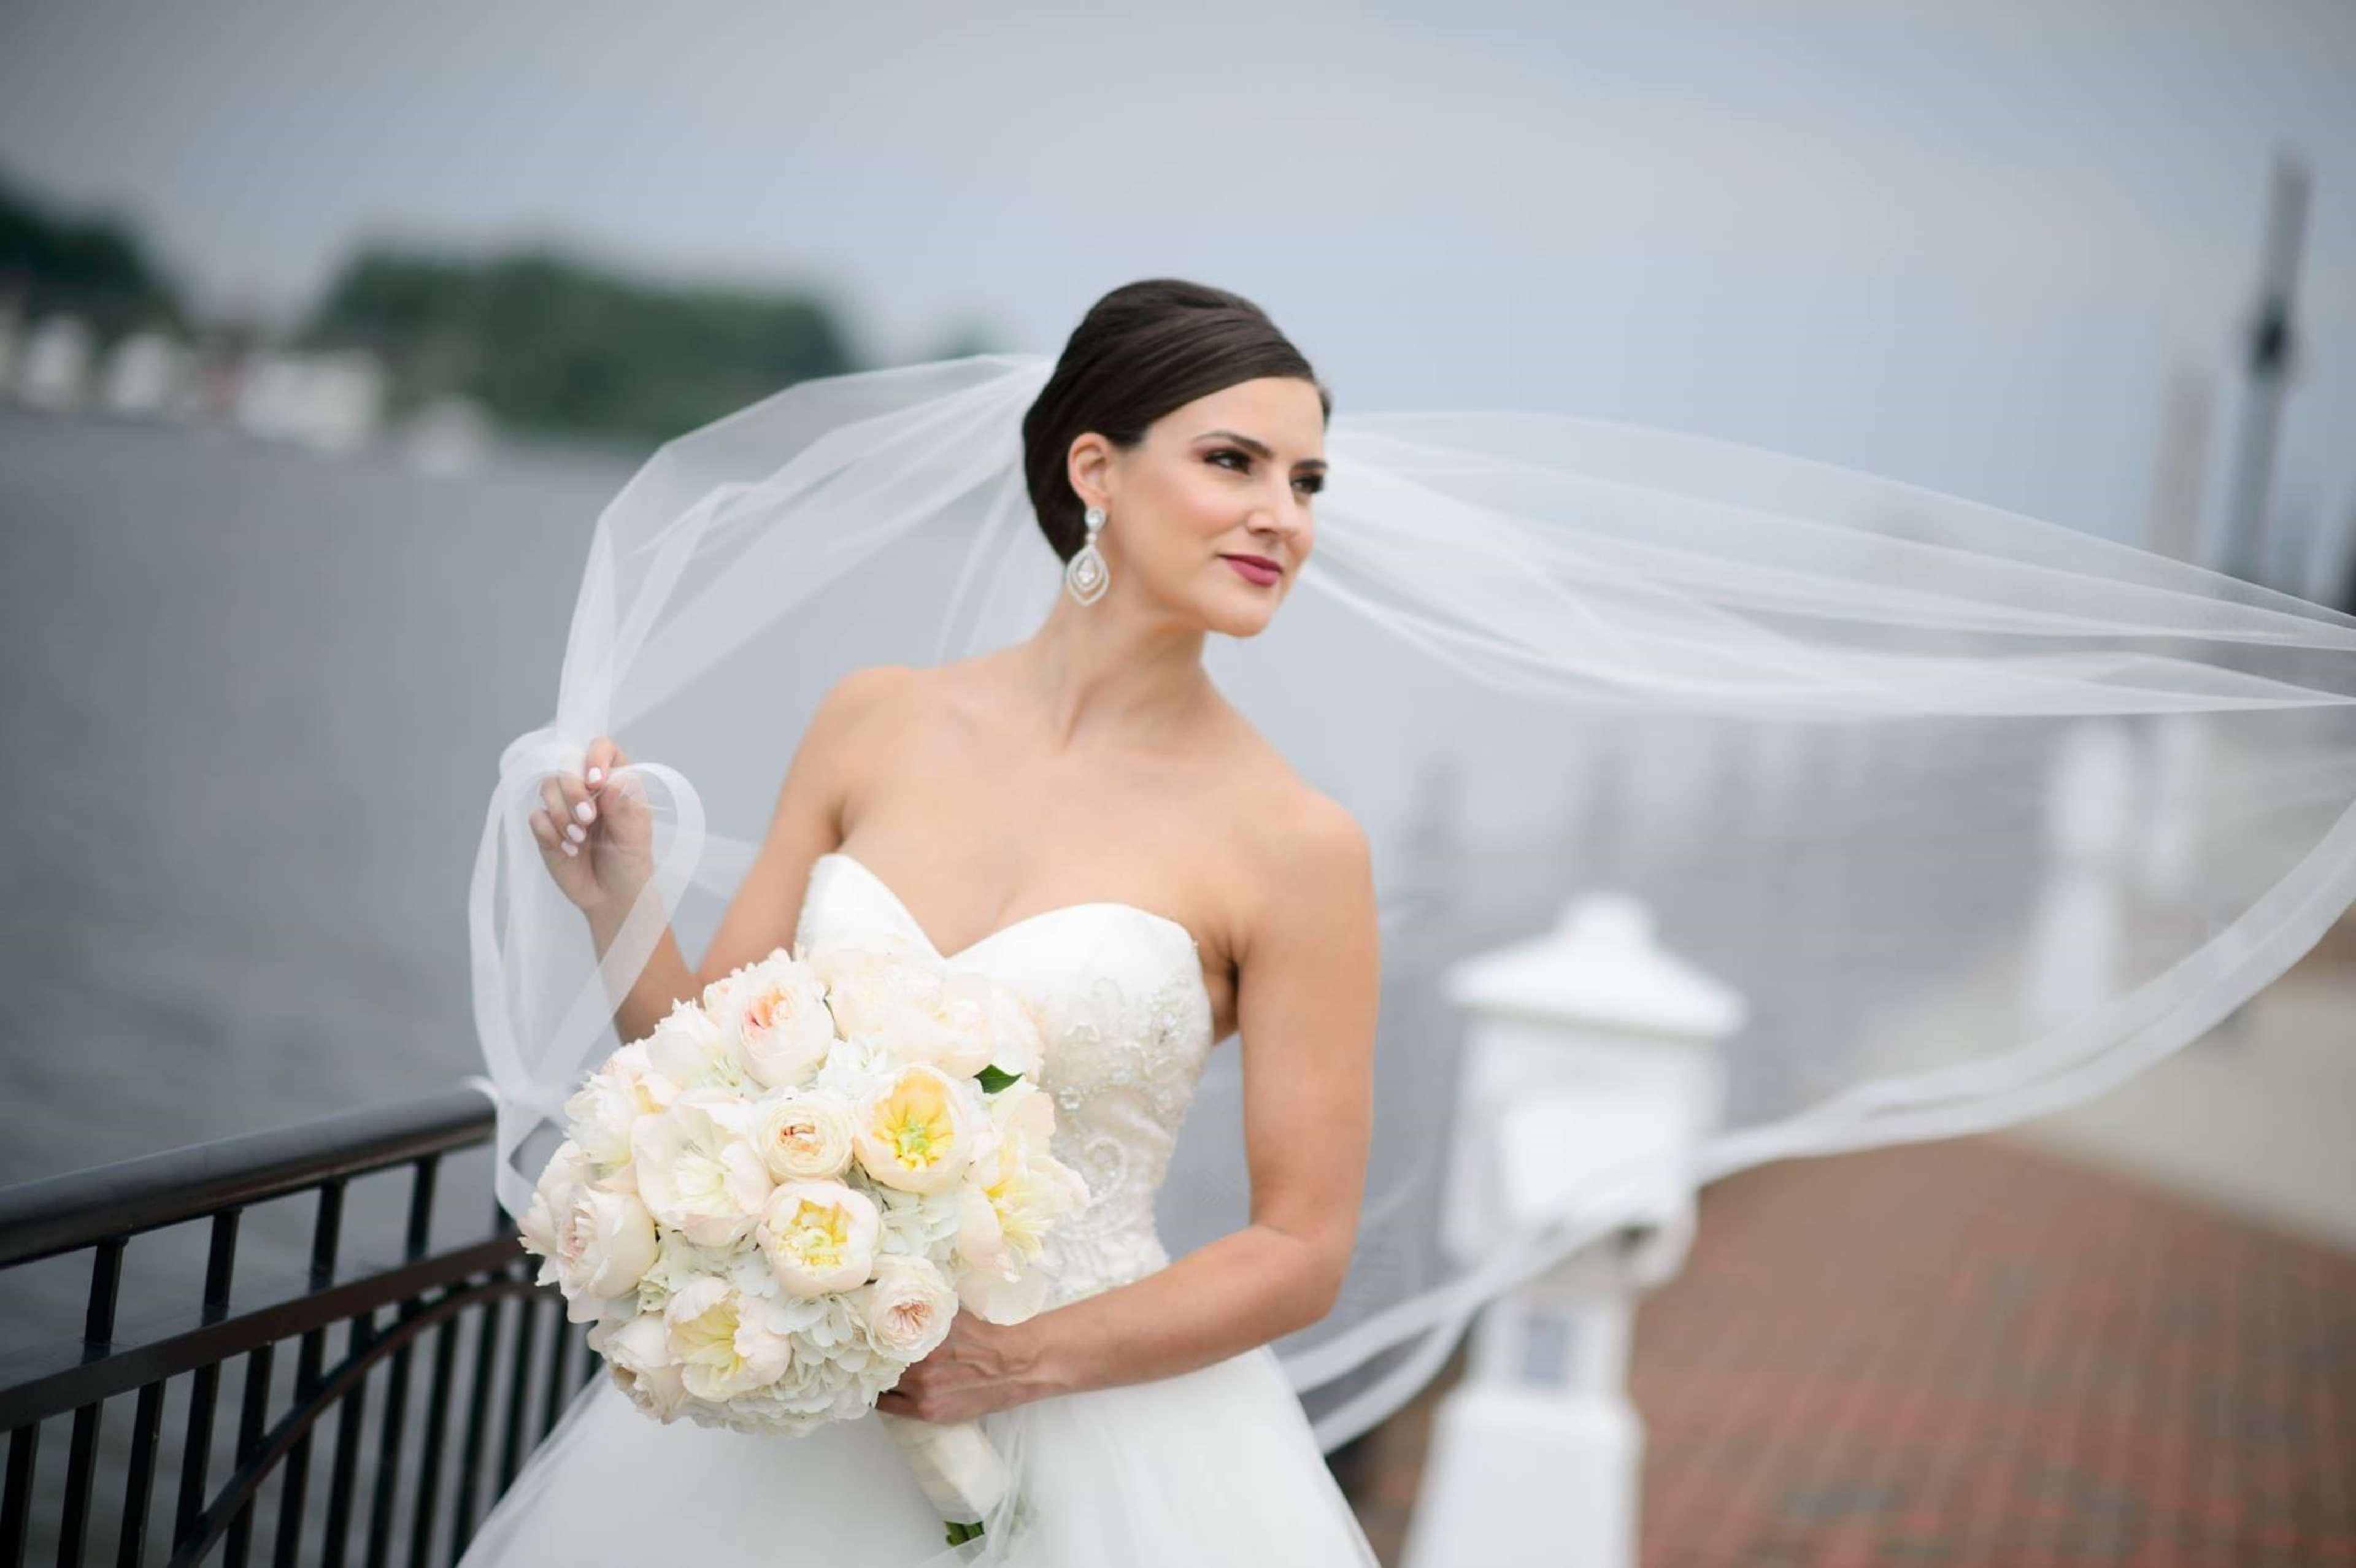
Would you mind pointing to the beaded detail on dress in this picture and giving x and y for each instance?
(1125, 1017)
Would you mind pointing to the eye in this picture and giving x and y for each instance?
(1314, 482)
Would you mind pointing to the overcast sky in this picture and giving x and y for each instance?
(1963, 244)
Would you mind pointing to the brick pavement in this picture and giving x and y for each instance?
(1969, 1353)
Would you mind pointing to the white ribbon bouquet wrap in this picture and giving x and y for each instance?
(777, 1200)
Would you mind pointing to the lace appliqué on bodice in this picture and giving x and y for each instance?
(1122, 1065)
(1126, 1021)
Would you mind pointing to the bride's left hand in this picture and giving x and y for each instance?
(980, 1367)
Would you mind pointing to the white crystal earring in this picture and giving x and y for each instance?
(1084, 575)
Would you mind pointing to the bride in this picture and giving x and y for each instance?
(1976, 814)
(1085, 817)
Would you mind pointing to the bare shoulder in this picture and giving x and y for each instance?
(1325, 850)
(862, 712)
(1292, 809)
(871, 692)
(870, 704)
(1309, 857)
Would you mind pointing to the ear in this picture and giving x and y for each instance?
(1089, 466)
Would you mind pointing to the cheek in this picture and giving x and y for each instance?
(1200, 510)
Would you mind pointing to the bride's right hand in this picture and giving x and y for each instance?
(595, 833)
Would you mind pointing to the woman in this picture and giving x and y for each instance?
(1081, 807)
(1975, 815)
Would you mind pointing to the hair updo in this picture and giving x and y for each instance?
(1142, 350)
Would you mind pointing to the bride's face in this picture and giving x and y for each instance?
(1218, 486)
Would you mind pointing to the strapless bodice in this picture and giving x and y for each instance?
(1126, 1022)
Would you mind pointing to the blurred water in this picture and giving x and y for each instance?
(252, 701)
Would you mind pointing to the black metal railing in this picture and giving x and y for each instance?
(339, 1226)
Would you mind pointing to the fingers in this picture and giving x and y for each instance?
(616, 793)
(896, 1401)
(558, 824)
(569, 806)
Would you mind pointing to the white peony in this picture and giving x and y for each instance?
(638, 1359)
(804, 1134)
(723, 1347)
(908, 1308)
(1011, 1203)
(774, 1015)
(907, 1003)
(1016, 1044)
(609, 1103)
(819, 1236)
(699, 1168)
(956, 1038)
(868, 983)
(855, 1066)
(692, 1051)
(598, 1243)
(568, 1167)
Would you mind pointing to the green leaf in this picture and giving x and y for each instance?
(991, 1080)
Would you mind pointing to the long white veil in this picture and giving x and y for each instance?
(1828, 728)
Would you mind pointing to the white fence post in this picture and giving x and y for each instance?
(1594, 1057)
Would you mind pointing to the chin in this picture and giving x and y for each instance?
(1241, 621)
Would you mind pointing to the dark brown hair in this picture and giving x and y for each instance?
(1142, 350)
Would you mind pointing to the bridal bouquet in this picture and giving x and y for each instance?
(777, 1201)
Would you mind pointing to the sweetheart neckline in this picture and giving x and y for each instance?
(926, 937)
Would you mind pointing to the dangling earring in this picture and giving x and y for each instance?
(1084, 575)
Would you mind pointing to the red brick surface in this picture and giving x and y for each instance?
(1964, 1353)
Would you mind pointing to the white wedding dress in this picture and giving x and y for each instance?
(1213, 1467)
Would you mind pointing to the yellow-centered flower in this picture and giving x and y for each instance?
(913, 1132)
(819, 1236)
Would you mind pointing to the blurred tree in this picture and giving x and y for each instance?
(93, 267)
(966, 339)
(552, 344)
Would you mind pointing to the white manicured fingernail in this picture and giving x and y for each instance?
(595, 775)
(574, 831)
(585, 811)
(572, 849)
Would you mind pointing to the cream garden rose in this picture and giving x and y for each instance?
(774, 1015)
(908, 1307)
(804, 1134)
(819, 1236)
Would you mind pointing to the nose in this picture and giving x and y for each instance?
(1283, 519)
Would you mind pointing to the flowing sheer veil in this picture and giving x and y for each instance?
(1853, 744)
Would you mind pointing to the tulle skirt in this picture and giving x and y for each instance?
(1213, 1467)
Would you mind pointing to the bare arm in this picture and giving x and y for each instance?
(1308, 990)
(805, 823)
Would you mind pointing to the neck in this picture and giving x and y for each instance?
(1112, 667)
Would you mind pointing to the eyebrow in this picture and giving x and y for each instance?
(1258, 448)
